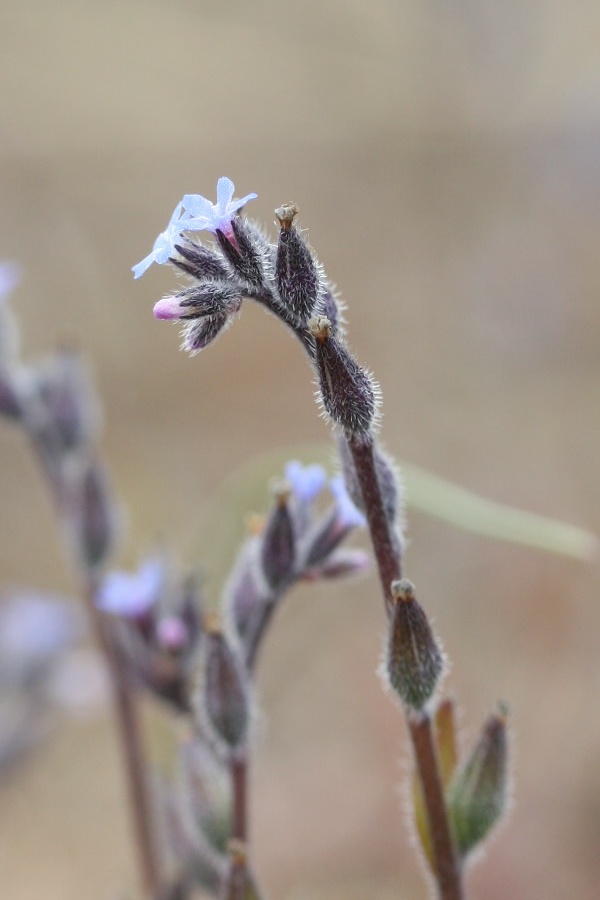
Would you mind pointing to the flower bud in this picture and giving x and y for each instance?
(225, 698)
(10, 400)
(64, 388)
(296, 272)
(206, 786)
(94, 521)
(208, 298)
(278, 550)
(347, 391)
(199, 261)
(247, 251)
(478, 793)
(244, 591)
(198, 334)
(414, 660)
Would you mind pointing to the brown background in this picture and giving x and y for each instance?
(446, 159)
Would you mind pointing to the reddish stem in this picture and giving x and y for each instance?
(387, 554)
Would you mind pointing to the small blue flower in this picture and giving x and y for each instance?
(131, 594)
(10, 276)
(348, 515)
(206, 216)
(164, 245)
(306, 481)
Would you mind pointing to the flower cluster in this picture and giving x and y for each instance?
(195, 213)
(202, 664)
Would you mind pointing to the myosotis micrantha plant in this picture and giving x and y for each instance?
(152, 624)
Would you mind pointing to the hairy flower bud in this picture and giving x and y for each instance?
(414, 660)
(296, 272)
(478, 793)
(199, 333)
(208, 298)
(278, 550)
(225, 697)
(199, 261)
(247, 251)
(347, 391)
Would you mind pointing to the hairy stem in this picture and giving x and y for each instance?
(387, 554)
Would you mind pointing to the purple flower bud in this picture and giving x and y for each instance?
(199, 261)
(198, 334)
(209, 298)
(132, 595)
(414, 661)
(278, 551)
(244, 590)
(296, 272)
(172, 635)
(348, 393)
(225, 699)
(94, 522)
(64, 386)
(11, 404)
(249, 254)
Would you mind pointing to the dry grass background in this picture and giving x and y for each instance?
(446, 159)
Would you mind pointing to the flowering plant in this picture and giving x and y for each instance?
(154, 624)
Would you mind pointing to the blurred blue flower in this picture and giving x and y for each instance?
(164, 245)
(10, 276)
(34, 629)
(347, 513)
(131, 594)
(206, 216)
(306, 481)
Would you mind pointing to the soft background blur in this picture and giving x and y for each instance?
(446, 160)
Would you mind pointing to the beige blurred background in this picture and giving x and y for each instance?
(446, 160)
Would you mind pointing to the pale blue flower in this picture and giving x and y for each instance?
(306, 481)
(206, 216)
(164, 245)
(131, 594)
(10, 276)
(348, 515)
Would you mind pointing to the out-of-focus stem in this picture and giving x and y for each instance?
(131, 740)
(239, 784)
(387, 554)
